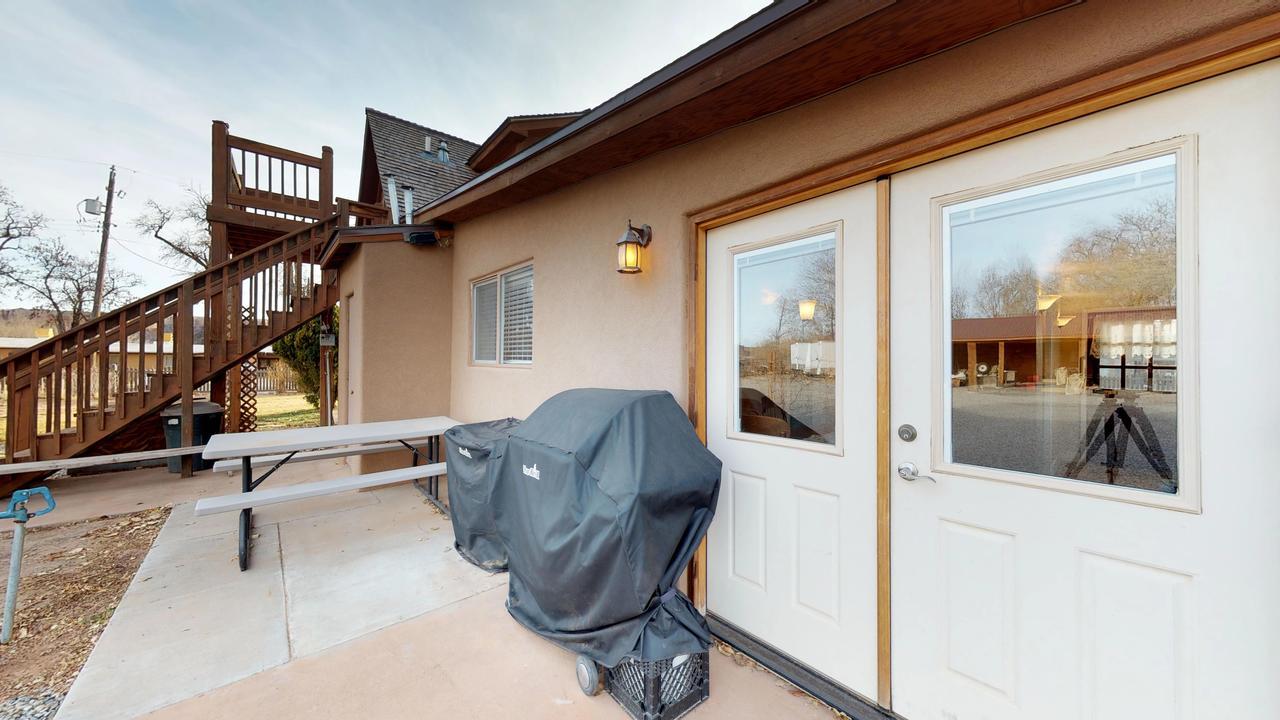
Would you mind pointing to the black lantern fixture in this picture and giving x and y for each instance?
(629, 246)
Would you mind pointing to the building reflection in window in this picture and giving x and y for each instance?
(785, 328)
(1064, 330)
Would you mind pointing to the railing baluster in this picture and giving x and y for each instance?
(55, 401)
(10, 410)
(122, 382)
(33, 389)
(102, 375)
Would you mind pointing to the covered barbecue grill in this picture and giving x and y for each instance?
(601, 498)
(471, 452)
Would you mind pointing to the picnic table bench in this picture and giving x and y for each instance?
(278, 447)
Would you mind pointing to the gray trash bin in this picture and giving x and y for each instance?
(207, 420)
(469, 451)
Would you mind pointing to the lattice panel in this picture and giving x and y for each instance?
(248, 395)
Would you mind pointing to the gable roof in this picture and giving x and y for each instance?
(516, 133)
(397, 146)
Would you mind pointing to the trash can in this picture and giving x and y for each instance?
(207, 421)
(469, 451)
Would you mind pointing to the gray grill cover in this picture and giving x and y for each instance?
(470, 451)
(601, 500)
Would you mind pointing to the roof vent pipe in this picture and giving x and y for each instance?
(408, 205)
(426, 141)
(443, 153)
(393, 200)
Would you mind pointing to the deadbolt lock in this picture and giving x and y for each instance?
(907, 433)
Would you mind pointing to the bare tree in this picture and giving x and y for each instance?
(960, 302)
(61, 283)
(182, 228)
(1007, 291)
(17, 224)
(1130, 262)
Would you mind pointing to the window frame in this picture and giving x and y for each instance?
(1188, 496)
(498, 279)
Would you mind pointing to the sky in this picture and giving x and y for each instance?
(87, 85)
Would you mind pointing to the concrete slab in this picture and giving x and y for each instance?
(330, 561)
(468, 659)
(188, 623)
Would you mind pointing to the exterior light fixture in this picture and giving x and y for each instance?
(806, 309)
(629, 246)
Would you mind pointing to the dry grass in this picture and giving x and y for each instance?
(277, 412)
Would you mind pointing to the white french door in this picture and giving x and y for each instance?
(791, 412)
(1083, 338)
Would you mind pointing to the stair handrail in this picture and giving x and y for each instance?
(170, 290)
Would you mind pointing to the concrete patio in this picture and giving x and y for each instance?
(354, 605)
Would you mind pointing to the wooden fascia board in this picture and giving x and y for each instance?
(514, 180)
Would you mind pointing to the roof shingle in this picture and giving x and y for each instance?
(400, 148)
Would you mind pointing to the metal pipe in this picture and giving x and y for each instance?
(408, 205)
(393, 202)
(15, 571)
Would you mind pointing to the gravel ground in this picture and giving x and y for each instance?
(31, 707)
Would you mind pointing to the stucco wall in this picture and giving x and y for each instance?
(394, 356)
(594, 327)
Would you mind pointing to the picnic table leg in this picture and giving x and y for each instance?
(246, 515)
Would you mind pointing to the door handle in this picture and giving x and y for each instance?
(907, 471)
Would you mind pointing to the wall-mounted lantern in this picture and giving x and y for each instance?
(629, 247)
(807, 307)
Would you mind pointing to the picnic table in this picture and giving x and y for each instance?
(331, 441)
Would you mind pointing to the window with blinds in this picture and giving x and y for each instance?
(484, 321)
(502, 318)
(517, 316)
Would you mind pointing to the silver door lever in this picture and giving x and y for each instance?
(907, 471)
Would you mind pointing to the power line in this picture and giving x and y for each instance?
(176, 181)
(129, 250)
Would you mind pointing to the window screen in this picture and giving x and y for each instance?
(517, 316)
(484, 319)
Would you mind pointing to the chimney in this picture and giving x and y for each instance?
(426, 144)
(393, 200)
(443, 153)
(408, 205)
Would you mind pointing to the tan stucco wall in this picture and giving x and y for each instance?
(594, 327)
(398, 308)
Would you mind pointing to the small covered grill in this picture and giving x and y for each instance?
(471, 454)
(601, 498)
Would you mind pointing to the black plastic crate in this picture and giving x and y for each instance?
(660, 689)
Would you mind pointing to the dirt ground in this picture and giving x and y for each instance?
(73, 576)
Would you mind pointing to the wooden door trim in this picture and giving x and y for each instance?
(884, 635)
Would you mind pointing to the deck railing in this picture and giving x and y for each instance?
(272, 181)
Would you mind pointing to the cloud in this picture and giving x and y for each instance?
(138, 84)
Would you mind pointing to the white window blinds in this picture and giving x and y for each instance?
(517, 316)
(484, 319)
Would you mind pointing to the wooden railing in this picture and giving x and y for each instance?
(360, 213)
(61, 396)
(267, 180)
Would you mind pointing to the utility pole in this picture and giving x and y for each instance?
(106, 235)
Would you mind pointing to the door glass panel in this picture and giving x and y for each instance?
(785, 337)
(1063, 333)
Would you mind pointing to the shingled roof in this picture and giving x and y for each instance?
(399, 147)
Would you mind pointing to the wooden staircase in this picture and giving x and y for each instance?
(76, 391)
(97, 388)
